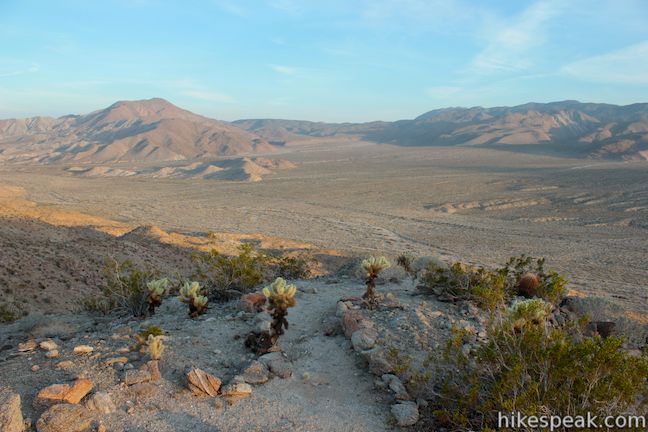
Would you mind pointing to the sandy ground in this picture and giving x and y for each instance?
(587, 217)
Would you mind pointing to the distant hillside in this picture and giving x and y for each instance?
(151, 130)
(154, 130)
(569, 128)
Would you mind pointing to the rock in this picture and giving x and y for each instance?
(405, 413)
(364, 339)
(35, 368)
(64, 418)
(237, 390)
(113, 360)
(396, 385)
(331, 326)
(263, 326)
(201, 383)
(604, 329)
(11, 419)
(378, 362)
(71, 394)
(48, 345)
(253, 302)
(101, 428)
(308, 290)
(101, 402)
(256, 373)
(123, 350)
(528, 285)
(137, 376)
(52, 354)
(281, 368)
(30, 345)
(143, 391)
(341, 309)
(83, 349)
(65, 365)
(351, 322)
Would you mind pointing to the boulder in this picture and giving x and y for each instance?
(237, 390)
(138, 376)
(65, 418)
(201, 383)
(405, 413)
(256, 373)
(101, 402)
(11, 419)
(253, 302)
(396, 385)
(364, 339)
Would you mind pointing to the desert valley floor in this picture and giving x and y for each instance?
(588, 217)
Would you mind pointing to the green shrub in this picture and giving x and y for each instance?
(530, 367)
(552, 286)
(406, 260)
(464, 282)
(7, 314)
(225, 275)
(292, 267)
(126, 288)
(491, 288)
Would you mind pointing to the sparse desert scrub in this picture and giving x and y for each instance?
(491, 288)
(7, 313)
(407, 261)
(230, 276)
(532, 367)
(292, 267)
(192, 294)
(372, 267)
(125, 290)
(461, 281)
(529, 278)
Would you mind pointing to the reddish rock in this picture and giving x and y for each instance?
(64, 392)
(351, 322)
(253, 302)
(154, 369)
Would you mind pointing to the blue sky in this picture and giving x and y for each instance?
(330, 60)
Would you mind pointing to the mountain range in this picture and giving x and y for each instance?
(155, 131)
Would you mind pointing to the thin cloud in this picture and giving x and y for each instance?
(508, 48)
(9, 73)
(231, 7)
(625, 66)
(284, 70)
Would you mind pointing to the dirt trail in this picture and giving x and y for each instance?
(329, 390)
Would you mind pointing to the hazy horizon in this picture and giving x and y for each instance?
(339, 61)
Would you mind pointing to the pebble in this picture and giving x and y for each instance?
(83, 349)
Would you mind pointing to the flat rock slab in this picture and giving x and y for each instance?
(11, 419)
(64, 418)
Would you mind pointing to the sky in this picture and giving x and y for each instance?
(326, 60)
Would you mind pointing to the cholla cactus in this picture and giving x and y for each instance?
(191, 294)
(373, 266)
(157, 289)
(528, 312)
(155, 346)
(281, 296)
